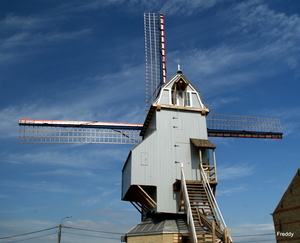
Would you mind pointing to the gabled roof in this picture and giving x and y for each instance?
(157, 104)
(176, 77)
(291, 198)
(170, 85)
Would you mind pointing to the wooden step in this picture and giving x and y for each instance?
(197, 197)
(199, 200)
(197, 192)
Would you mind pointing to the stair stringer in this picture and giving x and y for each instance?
(208, 228)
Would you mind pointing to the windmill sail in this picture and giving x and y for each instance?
(243, 126)
(53, 131)
(46, 131)
(155, 51)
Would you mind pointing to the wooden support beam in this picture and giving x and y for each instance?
(213, 231)
(227, 235)
(209, 224)
(151, 202)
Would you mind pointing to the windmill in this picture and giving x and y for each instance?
(170, 176)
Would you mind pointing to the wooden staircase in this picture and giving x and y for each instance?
(206, 223)
(204, 217)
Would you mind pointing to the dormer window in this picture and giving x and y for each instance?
(179, 93)
(180, 96)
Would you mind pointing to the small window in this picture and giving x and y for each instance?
(180, 98)
(173, 97)
(188, 99)
(179, 94)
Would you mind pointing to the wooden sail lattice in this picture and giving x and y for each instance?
(243, 126)
(39, 131)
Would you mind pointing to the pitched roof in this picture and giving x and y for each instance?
(291, 197)
(202, 143)
(175, 78)
(202, 107)
(157, 224)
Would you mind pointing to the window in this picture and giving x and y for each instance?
(188, 99)
(179, 93)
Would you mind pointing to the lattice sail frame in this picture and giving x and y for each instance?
(41, 131)
(155, 52)
(51, 131)
(243, 126)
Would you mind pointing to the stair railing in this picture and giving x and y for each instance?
(187, 206)
(212, 199)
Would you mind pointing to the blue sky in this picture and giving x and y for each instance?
(84, 60)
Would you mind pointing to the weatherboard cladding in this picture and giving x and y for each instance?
(165, 148)
(166, 144)
(126, 175)
(164, 101)
(151, 126)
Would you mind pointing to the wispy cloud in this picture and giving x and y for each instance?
(233, 172)
(110, 212)
(25, 44)
(67, 172)
(102, 199)
(24, 209)
(12, 21)
(45, 186)
(187, 7)
(4, 196)
(222, 101)
(26, 36)
(253, 232)
(168, 7)
(72, 157)
(289, 117)
(225, 68)
(115, 105)
(246, 52)
(280, 34)
(233, 190)
(25, 225)
(258, 227)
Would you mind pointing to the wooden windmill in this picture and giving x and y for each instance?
(170, 176)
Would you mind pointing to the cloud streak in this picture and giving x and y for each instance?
(230, 191)
(71, 156)
(246, 53)
(115, 105)
(53, 187)
(233, 172)
(280, 34)
(168, 7)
